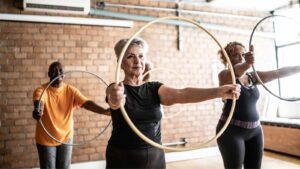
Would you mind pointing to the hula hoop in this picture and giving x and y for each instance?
(125, 114)
(170, 70)
(42, 124)
(254, 70)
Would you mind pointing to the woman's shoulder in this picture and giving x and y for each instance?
(154, 83)
(224, 72)
(224, 77)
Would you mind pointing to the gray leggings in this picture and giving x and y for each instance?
(55, 156)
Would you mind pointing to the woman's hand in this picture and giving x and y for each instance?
(249, 56)
(115, 95)
(230, 91)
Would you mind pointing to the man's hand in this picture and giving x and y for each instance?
(38, 110)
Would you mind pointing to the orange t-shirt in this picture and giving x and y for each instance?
(57, 117)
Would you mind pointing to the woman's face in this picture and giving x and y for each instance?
(236, 56)
(134, 60)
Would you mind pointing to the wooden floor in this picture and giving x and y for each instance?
(270, 161)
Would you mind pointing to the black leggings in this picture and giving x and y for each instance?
(142, 158)
(240, 146)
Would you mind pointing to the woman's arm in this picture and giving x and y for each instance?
(268, 76)
(239, 69)
(169, 96)
(92, 106)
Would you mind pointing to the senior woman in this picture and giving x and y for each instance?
(142, 101)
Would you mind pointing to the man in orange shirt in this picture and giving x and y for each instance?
(57, 105)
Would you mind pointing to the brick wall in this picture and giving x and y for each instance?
(27, 49)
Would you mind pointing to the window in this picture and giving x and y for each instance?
(288, 45)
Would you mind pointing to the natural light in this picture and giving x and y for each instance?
(288, 41)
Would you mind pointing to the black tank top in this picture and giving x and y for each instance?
(245, 109)
(143, 108)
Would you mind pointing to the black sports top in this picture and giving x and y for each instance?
(143, 108)
(245, 109)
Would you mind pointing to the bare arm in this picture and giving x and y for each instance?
(268, 76)
(92, 106)
(239, 69)
(225, 75)
(169, 96)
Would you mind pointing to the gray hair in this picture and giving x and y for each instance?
(136, 41)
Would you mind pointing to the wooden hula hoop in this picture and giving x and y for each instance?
(124, 113)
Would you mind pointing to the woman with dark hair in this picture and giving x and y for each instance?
(242, 142)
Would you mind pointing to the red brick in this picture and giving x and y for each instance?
(29, 48)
